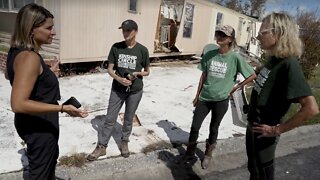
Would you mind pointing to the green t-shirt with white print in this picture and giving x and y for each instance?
(221, 71)
(279, 83)
(128, 60)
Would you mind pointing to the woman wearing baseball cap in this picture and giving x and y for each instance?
(128, 64)
(218, 81)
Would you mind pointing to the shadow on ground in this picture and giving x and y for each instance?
(97, 123)
(178, 170)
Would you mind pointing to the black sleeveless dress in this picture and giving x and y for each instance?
(46, 90)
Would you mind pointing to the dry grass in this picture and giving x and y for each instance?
(77, 160)
(23, 143)
(156, 146)
(4, 48)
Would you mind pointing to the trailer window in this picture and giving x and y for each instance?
(219, 19)
(4, 4)
(16, 5)
(133, 6)
(188, 21)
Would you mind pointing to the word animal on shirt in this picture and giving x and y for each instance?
(218, 69)
(127, 61)
(261, 79)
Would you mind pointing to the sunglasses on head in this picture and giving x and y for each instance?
(265, 31)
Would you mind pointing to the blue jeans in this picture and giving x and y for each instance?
(116, 101)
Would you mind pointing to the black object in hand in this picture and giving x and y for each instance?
(245, 108)
(130, 76)
(73, 101)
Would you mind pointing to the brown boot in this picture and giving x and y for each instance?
(100, 150)
(124, 149)
(207, 155)
(190, 153)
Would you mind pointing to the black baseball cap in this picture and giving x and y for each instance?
(129, 24)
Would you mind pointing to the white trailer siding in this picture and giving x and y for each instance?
(89, 28)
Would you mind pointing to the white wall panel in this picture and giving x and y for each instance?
(89, 28)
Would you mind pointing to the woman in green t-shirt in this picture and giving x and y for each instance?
(279, 83)
(219, 69)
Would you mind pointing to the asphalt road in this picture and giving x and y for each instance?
(297, 158)
(303, 165)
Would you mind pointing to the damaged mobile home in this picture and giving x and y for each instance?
(87, 29)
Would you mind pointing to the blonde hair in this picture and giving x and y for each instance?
(29, 17)
(286, 31)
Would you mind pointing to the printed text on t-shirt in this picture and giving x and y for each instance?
(127, 61)
(261, 79)
(218, 69)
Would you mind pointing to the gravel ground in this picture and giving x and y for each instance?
(160, 164)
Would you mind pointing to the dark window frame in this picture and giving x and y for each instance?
(9, 5)
(133, 6)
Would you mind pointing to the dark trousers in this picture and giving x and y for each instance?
(218, 110)
(260, 154)
(42, 153)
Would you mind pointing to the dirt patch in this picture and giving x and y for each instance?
(77, 160)
(156, 146)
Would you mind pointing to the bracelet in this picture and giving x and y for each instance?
(61, 108)
(276, 130)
